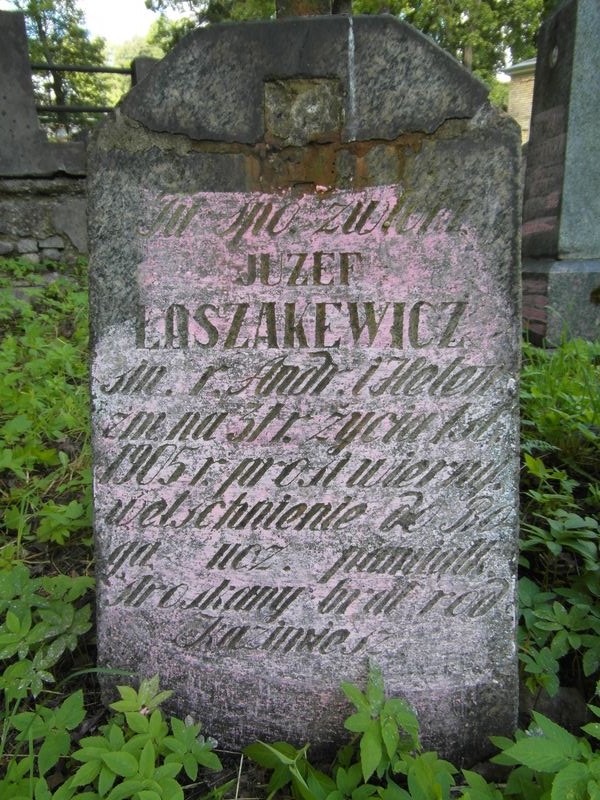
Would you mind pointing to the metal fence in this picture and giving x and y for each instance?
(74, 109)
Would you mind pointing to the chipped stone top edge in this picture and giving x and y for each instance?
(106, 137)
(485, 117)
(341, 28)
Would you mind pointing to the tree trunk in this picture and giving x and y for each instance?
(58, 84)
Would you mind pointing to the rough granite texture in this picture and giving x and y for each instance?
(200, 91)
(305, 364)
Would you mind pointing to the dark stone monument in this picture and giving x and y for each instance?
(305, 315)
(24, 149)
(561, 234)
(42, 183)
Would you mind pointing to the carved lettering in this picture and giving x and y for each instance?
(301, 325)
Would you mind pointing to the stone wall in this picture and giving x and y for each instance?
(43, 218)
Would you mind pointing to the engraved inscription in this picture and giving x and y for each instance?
(304, 436)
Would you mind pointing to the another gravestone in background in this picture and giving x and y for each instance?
(305, 317)
(42, 183)
(24, 149)
(561, 234)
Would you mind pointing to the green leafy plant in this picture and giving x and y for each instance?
(548, 761)
(383, 759)
(137, 755)
(44, 619)
(45, 474)
(560, 534)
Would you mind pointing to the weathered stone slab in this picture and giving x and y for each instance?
(561, 200)
(304, 389)
(190, 91)
(24, 149)
(562, 203)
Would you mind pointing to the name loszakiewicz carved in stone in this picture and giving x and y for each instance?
(305, 460)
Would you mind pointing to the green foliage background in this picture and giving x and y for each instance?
(56, 34)
(481, 34)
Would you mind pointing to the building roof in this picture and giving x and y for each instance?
(521, 67)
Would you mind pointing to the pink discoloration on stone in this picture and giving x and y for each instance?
(305, 455)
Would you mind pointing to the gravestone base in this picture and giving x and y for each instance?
(561, 298)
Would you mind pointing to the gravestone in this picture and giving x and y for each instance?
(561, 235)
(24, 149)
(305, 323)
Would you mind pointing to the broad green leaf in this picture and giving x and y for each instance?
(71, 712)
(29, 724)
(116, 737)
(207, 758)
(86, 773)
(358, 723)
(393, 792)
(135, 745)
(42, 792)
(125, 790)
(106, 780)
(571, 782)
(147, 761)
(539, 753)
(390, 735)
(479, 788)
(156, 725)
(319, 785)
(51, 749)
(280, 777)
(375, 691)
(348, 780)
(137, 722)
(12, 622)
(356, 697)
(121, 763)
(592, 729)
(557, 734)
(593, 789)
(363, 792)
(190, 766)
(270, 755)
(170, 789)
(591, 662)
(370, 751)
(167, 771)
(300, 785)
(174, 745)
(89, 753)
